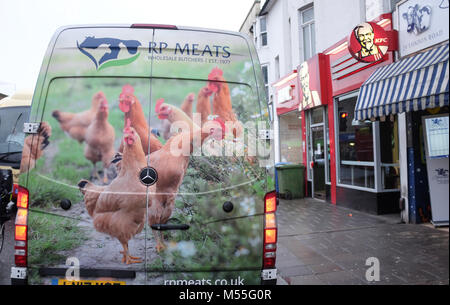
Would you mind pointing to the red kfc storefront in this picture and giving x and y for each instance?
(349, 162)
(302, 100)
(366, 165)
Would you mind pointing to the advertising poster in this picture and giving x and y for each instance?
(422, 24)
(436, 136)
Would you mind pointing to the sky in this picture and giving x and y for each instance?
(26, 26)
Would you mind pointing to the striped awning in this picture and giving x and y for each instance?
(415, 83)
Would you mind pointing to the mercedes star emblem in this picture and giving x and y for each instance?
(148, 176)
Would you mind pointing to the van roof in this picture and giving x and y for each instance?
(149, 25)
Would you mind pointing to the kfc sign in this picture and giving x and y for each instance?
(368, 42)
(313, 77)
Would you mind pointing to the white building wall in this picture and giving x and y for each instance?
(334, 20)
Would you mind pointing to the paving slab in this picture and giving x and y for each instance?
(320, 243)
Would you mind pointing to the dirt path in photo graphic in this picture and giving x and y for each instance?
(101, 251)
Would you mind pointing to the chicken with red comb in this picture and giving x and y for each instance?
(214, 79)
(119, 208)
(130, 105)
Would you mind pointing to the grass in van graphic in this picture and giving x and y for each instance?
(112, 51)
(216, 239)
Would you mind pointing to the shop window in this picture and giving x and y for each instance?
(307, 32)
(356, 147)
(390, 169)
(317, 115)
(291, 138)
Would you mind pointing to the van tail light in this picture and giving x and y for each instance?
(270, 202)
(21, 228)
(270, 231)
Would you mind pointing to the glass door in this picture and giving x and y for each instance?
(318, 149)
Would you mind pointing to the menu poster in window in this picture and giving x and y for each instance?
(436, 139)
(437, 136)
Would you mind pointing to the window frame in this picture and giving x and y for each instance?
(261, 32)
(376, 163)
(280, 117)
(309, 24)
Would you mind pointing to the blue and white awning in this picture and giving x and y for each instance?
(415, 83)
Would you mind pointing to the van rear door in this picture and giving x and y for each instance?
(209, 214)
(86, 68)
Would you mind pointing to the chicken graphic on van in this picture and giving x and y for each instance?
(107, 52)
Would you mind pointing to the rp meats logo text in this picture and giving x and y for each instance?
(105, 52)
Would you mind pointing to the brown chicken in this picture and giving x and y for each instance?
(130, 105)
(76, 124)
(119, 208)
(186, 107)
(33, 147)
(187, 104)
(222, 106)
(172, 114)
(171, 162)
(100, 141)
(203, 106)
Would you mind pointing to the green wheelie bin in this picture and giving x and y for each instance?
(291, 182)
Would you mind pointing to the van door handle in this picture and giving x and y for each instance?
(165, 227)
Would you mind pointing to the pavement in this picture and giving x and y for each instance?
(323, 244)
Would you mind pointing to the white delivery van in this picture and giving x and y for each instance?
(159, 165)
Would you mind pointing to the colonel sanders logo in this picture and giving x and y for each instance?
(310, 98)
(368, 42)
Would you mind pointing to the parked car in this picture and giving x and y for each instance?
(158, 156)
(14, 112)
